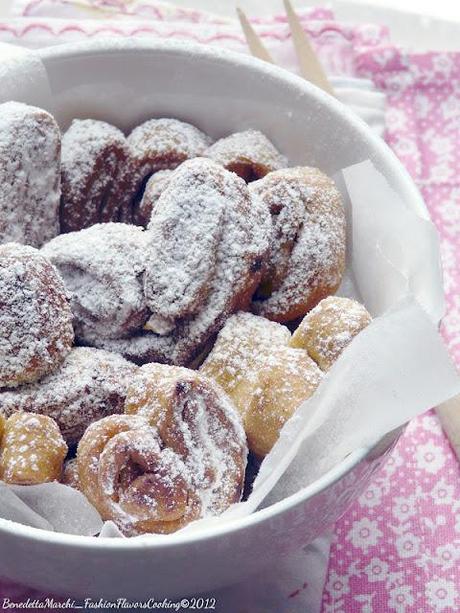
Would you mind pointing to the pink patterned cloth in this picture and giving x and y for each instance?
(398, 546)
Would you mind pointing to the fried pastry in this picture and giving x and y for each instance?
(97, 173)
(327, 330)
(35, 318)
(285, 377)
(30, 146)
(266, 379)
(163, 144)
(197, 421)
(243, 341)
(249, 154)
(131, 479)
(207, 244)
(32, 450)
(103, 268)
(90, 384)
(307, 255)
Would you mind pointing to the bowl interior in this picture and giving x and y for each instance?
(129, 82)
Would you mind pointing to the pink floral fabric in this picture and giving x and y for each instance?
(334, 41)
(398, 546)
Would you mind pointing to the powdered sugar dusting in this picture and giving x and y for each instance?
(97, 175)
(208, 240)
(284, 378)
(308, 247)
(197, 420)
(163, 144)
(30, 143)
(244, 339)
(90, 384)
(265, 377)
(103, 268)
(250, 154)
(129, 476)
(329, 328)
(140, 348)
(35, 318)
(32, 450)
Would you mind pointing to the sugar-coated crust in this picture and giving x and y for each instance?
(90, 384)
(163, 144)
(208, 243)
(130, 479)
(30, 145)
(35, 318)
(286, 377)
(307, 256)
(249, 154)
(327, 330)
(244, 339)
(266, 379)
(98, 175)
(141, 348)
(32, 450)
(102, 268)
(177, 455)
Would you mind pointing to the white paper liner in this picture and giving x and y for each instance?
(395, 369)
(50, 506)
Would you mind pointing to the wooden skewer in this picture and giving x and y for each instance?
(256, 46)
(310, 66)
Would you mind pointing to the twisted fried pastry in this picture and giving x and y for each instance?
(163, 144)
(90, 384)
(243, 341)
(208, 242)
(131, 479)
(97, 171)
(102, 268)
(307, 255)
(197, 421)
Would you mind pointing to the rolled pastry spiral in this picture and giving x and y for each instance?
(196, 420)
(130, 479)
(178, 454)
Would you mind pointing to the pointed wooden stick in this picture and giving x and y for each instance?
(256, 46)
(310, 66)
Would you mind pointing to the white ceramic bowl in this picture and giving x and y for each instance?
(126, 83)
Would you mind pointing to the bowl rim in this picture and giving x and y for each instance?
(111, 46)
